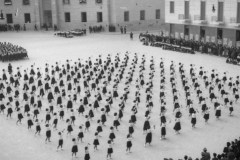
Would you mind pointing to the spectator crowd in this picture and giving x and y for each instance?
(232, 53)
(230, 152)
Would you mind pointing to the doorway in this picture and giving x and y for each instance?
(47, 18)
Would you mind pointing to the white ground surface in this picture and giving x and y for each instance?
(17, 143)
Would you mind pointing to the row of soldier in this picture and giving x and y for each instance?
(10, 52)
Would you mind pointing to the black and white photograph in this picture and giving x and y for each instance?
(119, 79)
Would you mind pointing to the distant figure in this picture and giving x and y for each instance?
(121, 29)
(35, 28)
(46, 27)
(161, 33)
(131, 36)
(125, 29)
(55, 27)
(24, 27)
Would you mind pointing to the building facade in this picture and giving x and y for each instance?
(206, 20)
(138, 14)
(73, 14)
(20, 12)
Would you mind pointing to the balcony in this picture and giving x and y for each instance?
(183, 19)
(216, 22)
(234, 23)
(198, 20)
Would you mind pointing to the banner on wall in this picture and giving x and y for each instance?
(213, 39)
(177, 35)
(182, 35)
(196, 37)
(238, 44)
(225, 41)
(166, 33)
(191, 36)
(207, 38)
(230, 43)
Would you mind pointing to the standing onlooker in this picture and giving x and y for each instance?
(24, 27)
(131, 36)
(121, 29)
(125, 29)
(205, 155)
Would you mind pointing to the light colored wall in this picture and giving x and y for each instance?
(134, 7)
(33, 9)
(230, 11)
(113, 13)
(75, 10)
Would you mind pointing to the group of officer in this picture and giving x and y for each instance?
(10, 52)
(8, 27)
(96, 29)
(123, 29)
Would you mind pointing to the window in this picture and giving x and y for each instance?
(82, 1)
(84, 16)
(220, 11)
(99, 17)
(142, 15)
(66, 1)
(9, 18)
(171, 6)
(26, 2)
(67, 17)
(8, 2)
(158, 14)
(126, 16)
(238, 12)
(27, 18)
(99, 1)
(186, 8)
(203, 10)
